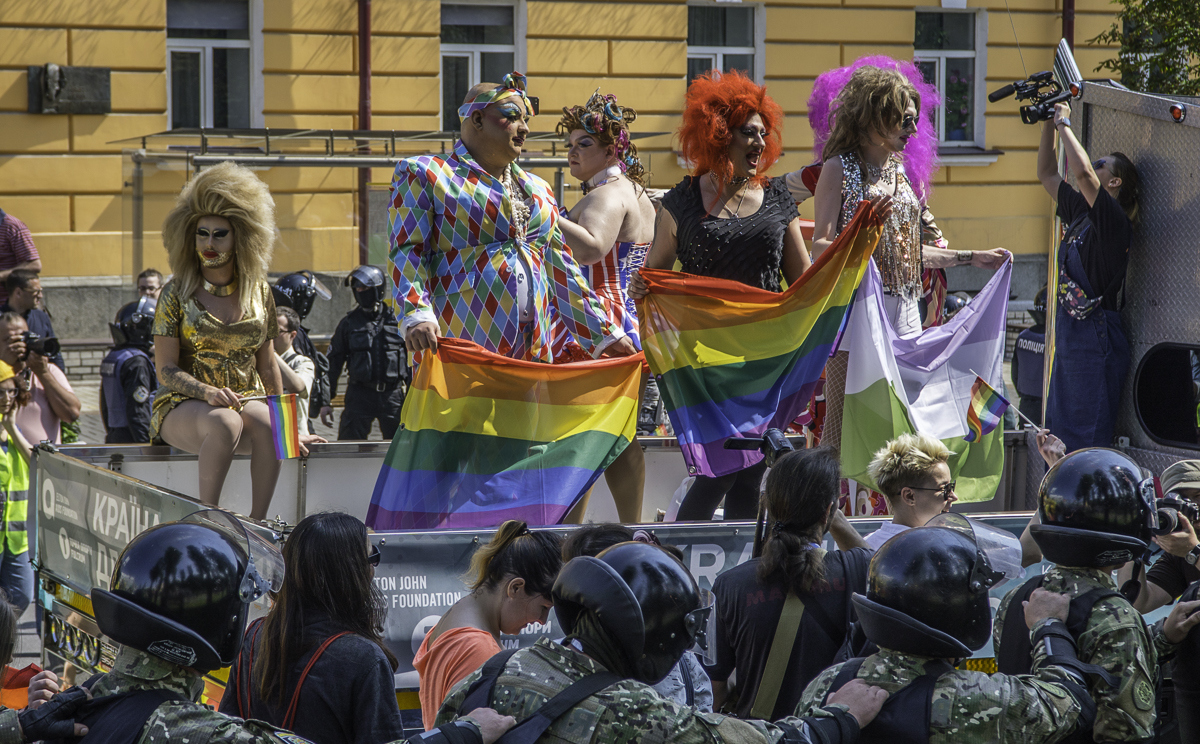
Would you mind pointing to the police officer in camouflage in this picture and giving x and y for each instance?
(127, 379)
(629, 614)
(177, 604)
(927, 608)
(1096, 515)
(367, 343)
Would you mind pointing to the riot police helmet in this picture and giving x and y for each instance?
(1096, 510)
(135, 323)
(927, 588)
(181, 591)
(368, 284)
(298, 290)
(952, 304)
(637, 598)
(1038, 311)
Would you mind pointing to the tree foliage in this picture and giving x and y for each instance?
(1160, 46)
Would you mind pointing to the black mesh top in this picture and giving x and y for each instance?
(743, 249)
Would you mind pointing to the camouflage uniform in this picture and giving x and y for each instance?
(10, 732)
(628, 711)
(971, 707)
(1117, 639)
(174, 721)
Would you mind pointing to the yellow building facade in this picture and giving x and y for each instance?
(62, 174)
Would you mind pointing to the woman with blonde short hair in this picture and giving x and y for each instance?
(913, 473)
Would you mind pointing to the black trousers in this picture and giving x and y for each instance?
(365, 405)
(740, 491)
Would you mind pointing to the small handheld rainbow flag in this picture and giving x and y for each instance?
(285, 429)
(986, 410)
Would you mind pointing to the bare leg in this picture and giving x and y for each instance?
(575, 516)
(626, 479)
(260, 445)
(835, 394)
(210, 432)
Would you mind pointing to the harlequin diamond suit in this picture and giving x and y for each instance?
(457, 259)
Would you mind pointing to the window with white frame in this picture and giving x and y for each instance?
(478, 44)
(209, 63)
(947, 50)
(722, 37)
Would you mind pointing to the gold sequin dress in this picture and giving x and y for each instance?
(215, 353)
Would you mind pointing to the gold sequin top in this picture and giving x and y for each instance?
(898, 254)
(215, 353)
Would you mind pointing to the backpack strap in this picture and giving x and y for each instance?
(529, 730)
(1081, 608)
(689, 689)
(778, 657)
(479, 694)
(290, 717)
(1015, 655)
(118, 719)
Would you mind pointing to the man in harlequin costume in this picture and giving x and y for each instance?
(476, 250)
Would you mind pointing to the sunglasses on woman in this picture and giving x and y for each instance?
(946, 491)
(373, 558)
(909, 121)
(1098, 164)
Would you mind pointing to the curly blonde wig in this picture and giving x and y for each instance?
(609, 123)
(872, 102)
(904, 461)
(235, 193)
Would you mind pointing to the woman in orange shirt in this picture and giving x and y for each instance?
(512, 576)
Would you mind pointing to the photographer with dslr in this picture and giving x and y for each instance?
(1091, 350)
(1176, 569)
(53, 400)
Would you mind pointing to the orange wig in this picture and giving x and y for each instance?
(717, 103)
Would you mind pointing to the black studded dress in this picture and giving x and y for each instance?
(743, 249)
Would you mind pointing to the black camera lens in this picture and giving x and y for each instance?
(1168, 521)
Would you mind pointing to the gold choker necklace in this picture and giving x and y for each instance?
(223, 290)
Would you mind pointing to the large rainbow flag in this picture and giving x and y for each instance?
(733, 360)
(485, 438)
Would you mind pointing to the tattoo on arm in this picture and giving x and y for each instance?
(181, 382)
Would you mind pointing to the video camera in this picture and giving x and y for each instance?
(41, 346)
(1042, 89)
(773, 444)
(1171, 509)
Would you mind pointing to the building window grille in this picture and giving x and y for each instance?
(208, 70)
(478, 44)
(721, 38)
(946, 53)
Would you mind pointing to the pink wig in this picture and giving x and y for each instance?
(920, 156)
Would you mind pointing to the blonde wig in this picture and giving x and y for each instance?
(904, 461)
(235, 193)
(872, 103)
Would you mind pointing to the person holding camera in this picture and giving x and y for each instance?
(1091, 349)
(25, 296)
(1176, 569)
(52, 400)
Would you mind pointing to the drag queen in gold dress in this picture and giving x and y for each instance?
(213, 331)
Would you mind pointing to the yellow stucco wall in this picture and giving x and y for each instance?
(59, 174)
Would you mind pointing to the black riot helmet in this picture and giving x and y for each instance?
(181, 591)
(952, 304)
(135, 323)
(641, 599)
(297, 291)
(368, 284)
(927, 588)
(1096, 510)
(1038, 311)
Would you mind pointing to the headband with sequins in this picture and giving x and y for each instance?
(512, 85)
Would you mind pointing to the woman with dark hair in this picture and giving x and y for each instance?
(510, 580)
(317, 664)
(801, 504)
(729, 220)
(1091, 351)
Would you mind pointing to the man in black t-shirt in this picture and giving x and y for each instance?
(1176, 569)
(1091, 350)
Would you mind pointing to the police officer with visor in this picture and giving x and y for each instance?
(298, 290)
(367, 343)
(127, 379)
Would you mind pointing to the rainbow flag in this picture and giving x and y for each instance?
(284, 425)
(733, 360)
(485, 438)
(986, 411)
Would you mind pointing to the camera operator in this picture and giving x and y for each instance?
(1176, 569)
(53, 401)
(1092, 352)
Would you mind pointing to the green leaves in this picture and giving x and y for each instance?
(1160, 46)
